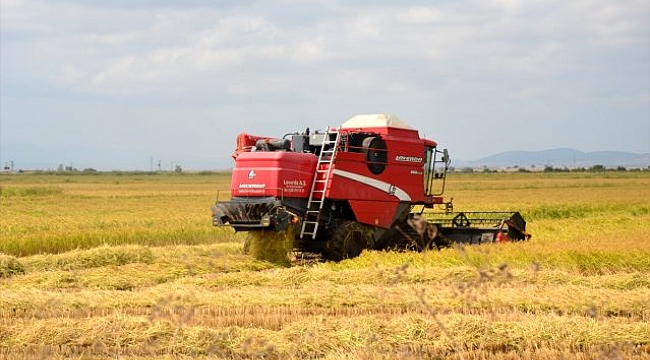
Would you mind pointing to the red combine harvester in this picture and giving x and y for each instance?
(362, 185)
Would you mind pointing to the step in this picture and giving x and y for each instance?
(307, 223)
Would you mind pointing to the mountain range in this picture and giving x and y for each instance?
(559, 158)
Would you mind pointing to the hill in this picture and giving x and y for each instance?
(562, 157)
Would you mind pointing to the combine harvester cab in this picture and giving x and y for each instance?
(370, 183)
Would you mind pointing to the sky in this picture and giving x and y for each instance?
(130, 84)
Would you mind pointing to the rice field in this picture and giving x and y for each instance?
(128, 266)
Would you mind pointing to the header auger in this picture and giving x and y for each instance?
(367, 184)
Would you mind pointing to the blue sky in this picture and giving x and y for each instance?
(115, 84)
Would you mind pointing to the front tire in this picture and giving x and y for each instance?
(348, 241)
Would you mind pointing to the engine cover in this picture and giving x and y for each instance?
(280, 174)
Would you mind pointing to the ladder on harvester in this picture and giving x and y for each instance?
(322, 175)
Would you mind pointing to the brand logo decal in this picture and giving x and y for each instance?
(252, 186)
(294, 183)
(413, 159)
(294, 186)
(251, 175)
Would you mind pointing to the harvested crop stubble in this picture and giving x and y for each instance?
(10, 266)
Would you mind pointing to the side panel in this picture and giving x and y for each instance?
(375, 198)
(402, 178)
(273, 173)
(374, 213)
(354, 185)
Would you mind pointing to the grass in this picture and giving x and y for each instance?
(31, 191)
(128, 266)
(88, 211)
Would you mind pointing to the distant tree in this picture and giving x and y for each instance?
(597, 168)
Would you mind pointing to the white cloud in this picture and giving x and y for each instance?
(420, 15)
(114, 39)
(310, 51)
(620, 24)
(367, 26)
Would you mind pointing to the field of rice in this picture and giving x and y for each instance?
(128, 266)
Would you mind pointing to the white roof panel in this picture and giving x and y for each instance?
(375, 120)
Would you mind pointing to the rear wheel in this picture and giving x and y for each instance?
(348, 241)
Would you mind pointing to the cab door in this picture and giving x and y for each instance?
(435, 171)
